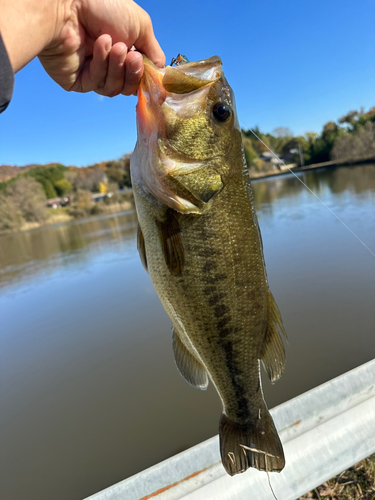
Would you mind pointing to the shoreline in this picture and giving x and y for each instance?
(61, 218)
(313, 166)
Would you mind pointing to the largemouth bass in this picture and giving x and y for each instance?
(199, 240)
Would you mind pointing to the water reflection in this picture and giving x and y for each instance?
(329, 180)
(39, 252)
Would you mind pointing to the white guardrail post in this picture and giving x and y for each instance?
(324, 431)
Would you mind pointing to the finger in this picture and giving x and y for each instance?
(147, 43)
(114, 82)
(99, 63)
(133, 72)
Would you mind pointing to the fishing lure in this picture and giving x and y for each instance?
(180, 59)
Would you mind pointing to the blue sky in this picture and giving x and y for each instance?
(294, 63)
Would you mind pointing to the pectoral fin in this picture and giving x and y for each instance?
(141, 247)
(189, 367)
(273, 353)
(172, 244)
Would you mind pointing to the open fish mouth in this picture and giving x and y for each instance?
(159, 85)
(176, 106)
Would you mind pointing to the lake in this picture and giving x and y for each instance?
(89, 391)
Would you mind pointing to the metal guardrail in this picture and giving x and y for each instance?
(324, 431)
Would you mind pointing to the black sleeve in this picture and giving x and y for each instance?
(6, 78)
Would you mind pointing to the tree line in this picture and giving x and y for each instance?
(350, 139)
(23, 196)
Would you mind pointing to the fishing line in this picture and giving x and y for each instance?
(269, 480)
(312, 192)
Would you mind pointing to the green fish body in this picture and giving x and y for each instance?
(199, 240)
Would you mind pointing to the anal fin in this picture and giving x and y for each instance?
(189, 367)
(273, 352)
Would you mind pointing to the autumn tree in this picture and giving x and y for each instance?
(28, 197)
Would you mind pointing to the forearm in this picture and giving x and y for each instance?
(28, 26)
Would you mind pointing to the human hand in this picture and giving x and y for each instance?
(91, 49)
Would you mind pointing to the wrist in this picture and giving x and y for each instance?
(28, 26)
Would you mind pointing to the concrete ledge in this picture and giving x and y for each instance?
(324, 431)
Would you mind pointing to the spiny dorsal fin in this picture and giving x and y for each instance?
(189, 367)
(171, 242)
(273, 352)
(141, 247)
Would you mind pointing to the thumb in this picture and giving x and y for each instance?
(147, 43)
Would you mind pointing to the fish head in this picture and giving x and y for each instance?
(186, 124)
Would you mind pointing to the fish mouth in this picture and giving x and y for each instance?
(166, 95)
(157, 84)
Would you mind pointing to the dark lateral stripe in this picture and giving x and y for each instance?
(220, 310)
(211, 280)
(242, 411)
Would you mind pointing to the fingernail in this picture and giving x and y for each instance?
(134, 66)
(108, 45)
(122, 56)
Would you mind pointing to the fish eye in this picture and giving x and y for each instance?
(221, 111)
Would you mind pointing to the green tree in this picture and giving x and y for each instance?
(63, 186)
(48, 187)
(349, 117)
(48, 176)
(250, 154)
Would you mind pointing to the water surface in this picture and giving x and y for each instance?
(89, 391)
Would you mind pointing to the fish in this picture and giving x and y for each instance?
(199, 240)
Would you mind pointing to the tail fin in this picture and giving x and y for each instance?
(252, 445)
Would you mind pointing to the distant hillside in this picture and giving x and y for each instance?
(58, 180)
(7, 172)
(31, 194)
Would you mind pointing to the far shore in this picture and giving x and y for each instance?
(61, 216)
(287, 169)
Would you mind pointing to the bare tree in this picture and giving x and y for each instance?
(359, 145)
(10, 216)
(28, 196)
